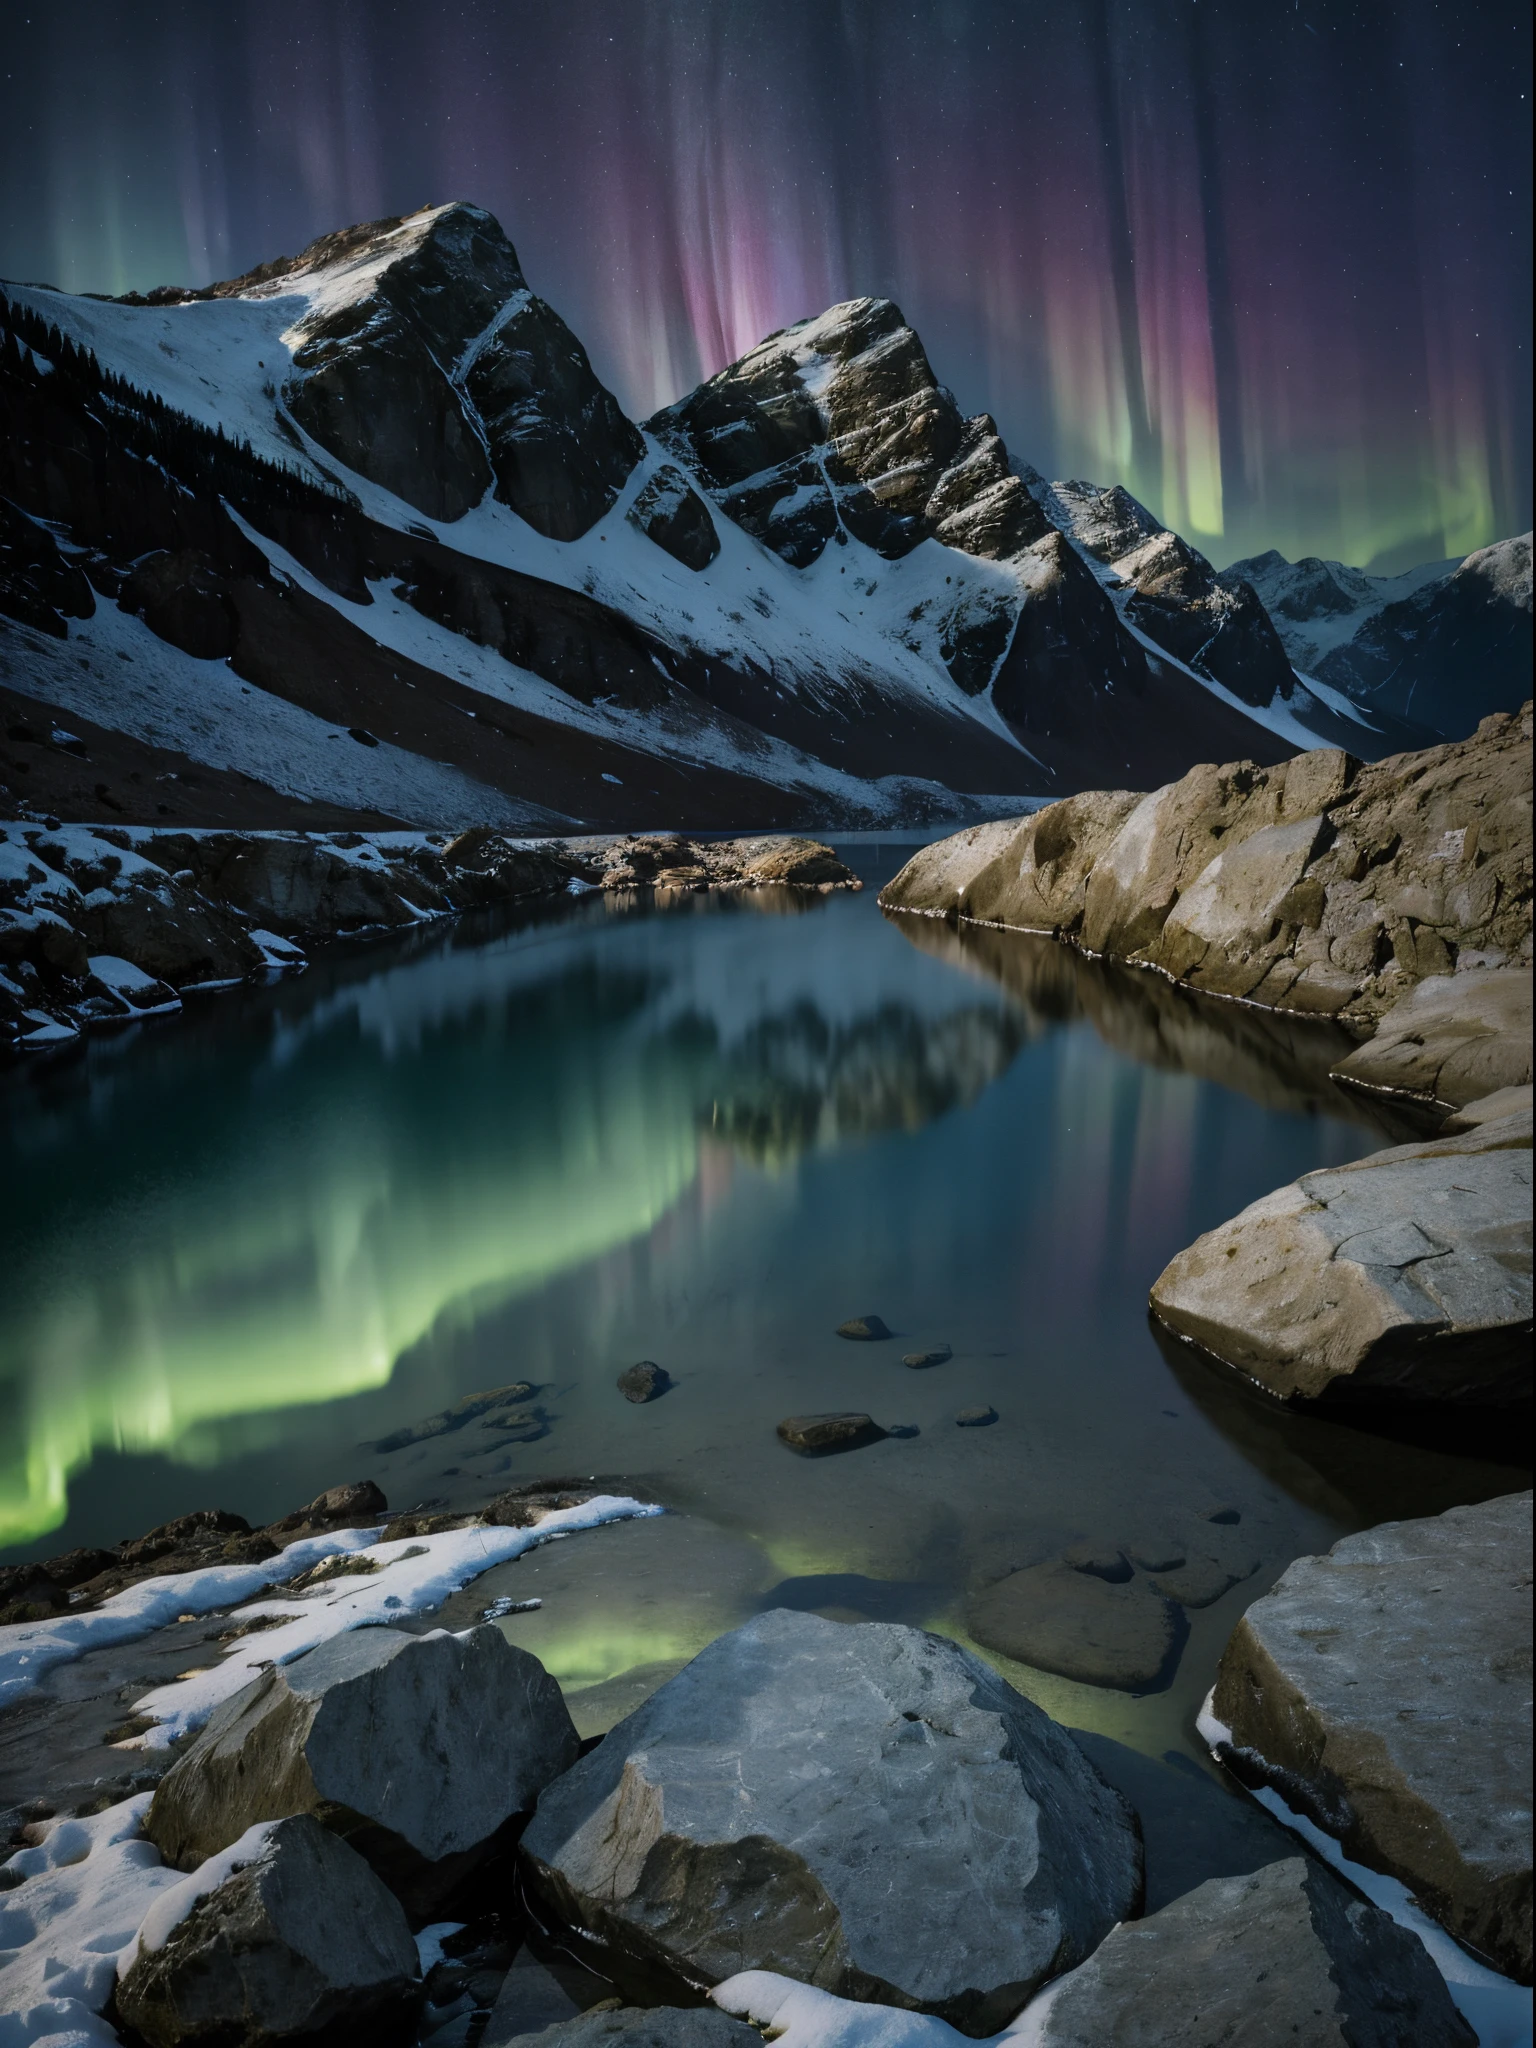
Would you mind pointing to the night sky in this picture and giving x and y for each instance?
(1269, 265)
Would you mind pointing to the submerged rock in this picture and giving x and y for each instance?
(976, 1418)
(864, 1329)
(1285, 1955)
(921, 1360)
(814, 1436)
(869, 1809)
(1385, 1689)
(417, 1749)
(646, 1381)
(299, 1942)
(1074, 1620)
(1404, 1276)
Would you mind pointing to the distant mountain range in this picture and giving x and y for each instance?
(361, 537)
(1444, 644)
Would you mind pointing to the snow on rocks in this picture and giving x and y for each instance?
(1286, 1953)
(30, 1649)
(1332, 1970)
(287, 1935)
(416, 1747)
(415, 1575)
(868, 1808)
(105, 923)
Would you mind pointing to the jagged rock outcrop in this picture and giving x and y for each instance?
(805, 1797)
(416, 1749)
(1450, 653)
(1385, 1691)
(668, 510)
(1321, 885)
(403, 368)
(296, 1940)
(426, 364)
(37, 585)
(1213, 622)
(1288, 1954)
(1404, 1276)
(840, 422)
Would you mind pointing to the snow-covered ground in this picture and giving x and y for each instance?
(413, 1576)
(87, 1893)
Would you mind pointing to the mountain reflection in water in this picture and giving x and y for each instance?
(699, 1129)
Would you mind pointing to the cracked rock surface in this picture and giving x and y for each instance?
(1386, 1688)
(1405, 1276)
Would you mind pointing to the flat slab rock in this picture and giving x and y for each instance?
(300, 1940)
(1112, 1616)
(1386, 1689)
(1073, 1623)
(1286, 1955)
(868, 1809)
(417, 1748)
(1405, 1276)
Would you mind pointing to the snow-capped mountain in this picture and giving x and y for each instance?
(360, 536)
(1444, 644)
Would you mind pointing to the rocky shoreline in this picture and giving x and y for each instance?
(1392, 898)
(100, 925)
(822, 1828)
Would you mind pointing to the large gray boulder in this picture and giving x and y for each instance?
(416, 1749)
(1404, 1276)
(869, 1809)
(301, 1942)
(1386, 1688)
(1283, 1956)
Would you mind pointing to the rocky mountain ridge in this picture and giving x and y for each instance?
(363, 529)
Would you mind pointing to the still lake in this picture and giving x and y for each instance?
(703, 1130)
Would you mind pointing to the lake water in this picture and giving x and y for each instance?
(701, 1130)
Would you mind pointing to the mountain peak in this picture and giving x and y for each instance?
(838, 424)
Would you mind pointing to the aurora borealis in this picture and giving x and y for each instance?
(1270, 267)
